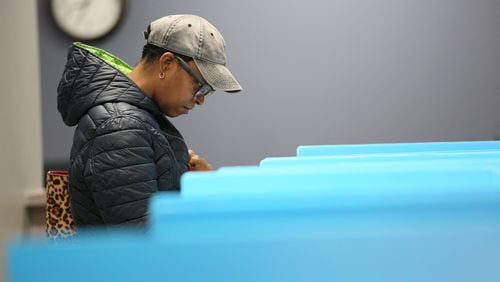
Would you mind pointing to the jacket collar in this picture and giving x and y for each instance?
(91, 78)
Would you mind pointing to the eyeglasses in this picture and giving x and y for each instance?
(205, 89)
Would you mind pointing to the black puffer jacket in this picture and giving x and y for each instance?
(124, 149)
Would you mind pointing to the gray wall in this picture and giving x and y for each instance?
(320, 72)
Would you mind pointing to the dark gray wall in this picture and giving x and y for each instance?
(320, 72)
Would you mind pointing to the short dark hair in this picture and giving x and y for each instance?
(151, 52)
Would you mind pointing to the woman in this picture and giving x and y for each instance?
(124, 147)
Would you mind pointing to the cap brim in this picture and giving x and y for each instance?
(218, 76)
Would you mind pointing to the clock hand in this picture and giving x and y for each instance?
(83, 11)
(84, 4)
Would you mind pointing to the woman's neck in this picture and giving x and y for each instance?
(140, 75)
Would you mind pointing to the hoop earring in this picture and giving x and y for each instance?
(161, 75)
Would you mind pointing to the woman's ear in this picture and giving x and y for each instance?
(166, 61)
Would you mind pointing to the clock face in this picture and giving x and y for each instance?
(87, 19)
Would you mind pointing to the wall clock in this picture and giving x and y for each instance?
(87, 19)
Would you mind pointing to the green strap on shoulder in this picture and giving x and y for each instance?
(111, 59)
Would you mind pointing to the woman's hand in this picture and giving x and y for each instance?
(197, 163)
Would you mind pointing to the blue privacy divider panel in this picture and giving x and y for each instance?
(437, 159)
(362, 248)
(268, 198)
(306, 215)
(322, 180)
(322, 150)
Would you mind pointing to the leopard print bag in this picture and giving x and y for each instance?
(58, 218)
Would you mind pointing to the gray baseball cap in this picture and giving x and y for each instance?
(195, 37)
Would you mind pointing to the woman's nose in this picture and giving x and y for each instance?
(199, 100)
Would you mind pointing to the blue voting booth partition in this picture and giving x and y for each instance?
(298, 223)
(390, 148)
(465, 159)
(474, 154)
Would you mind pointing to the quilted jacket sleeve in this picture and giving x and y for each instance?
(121, 169)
